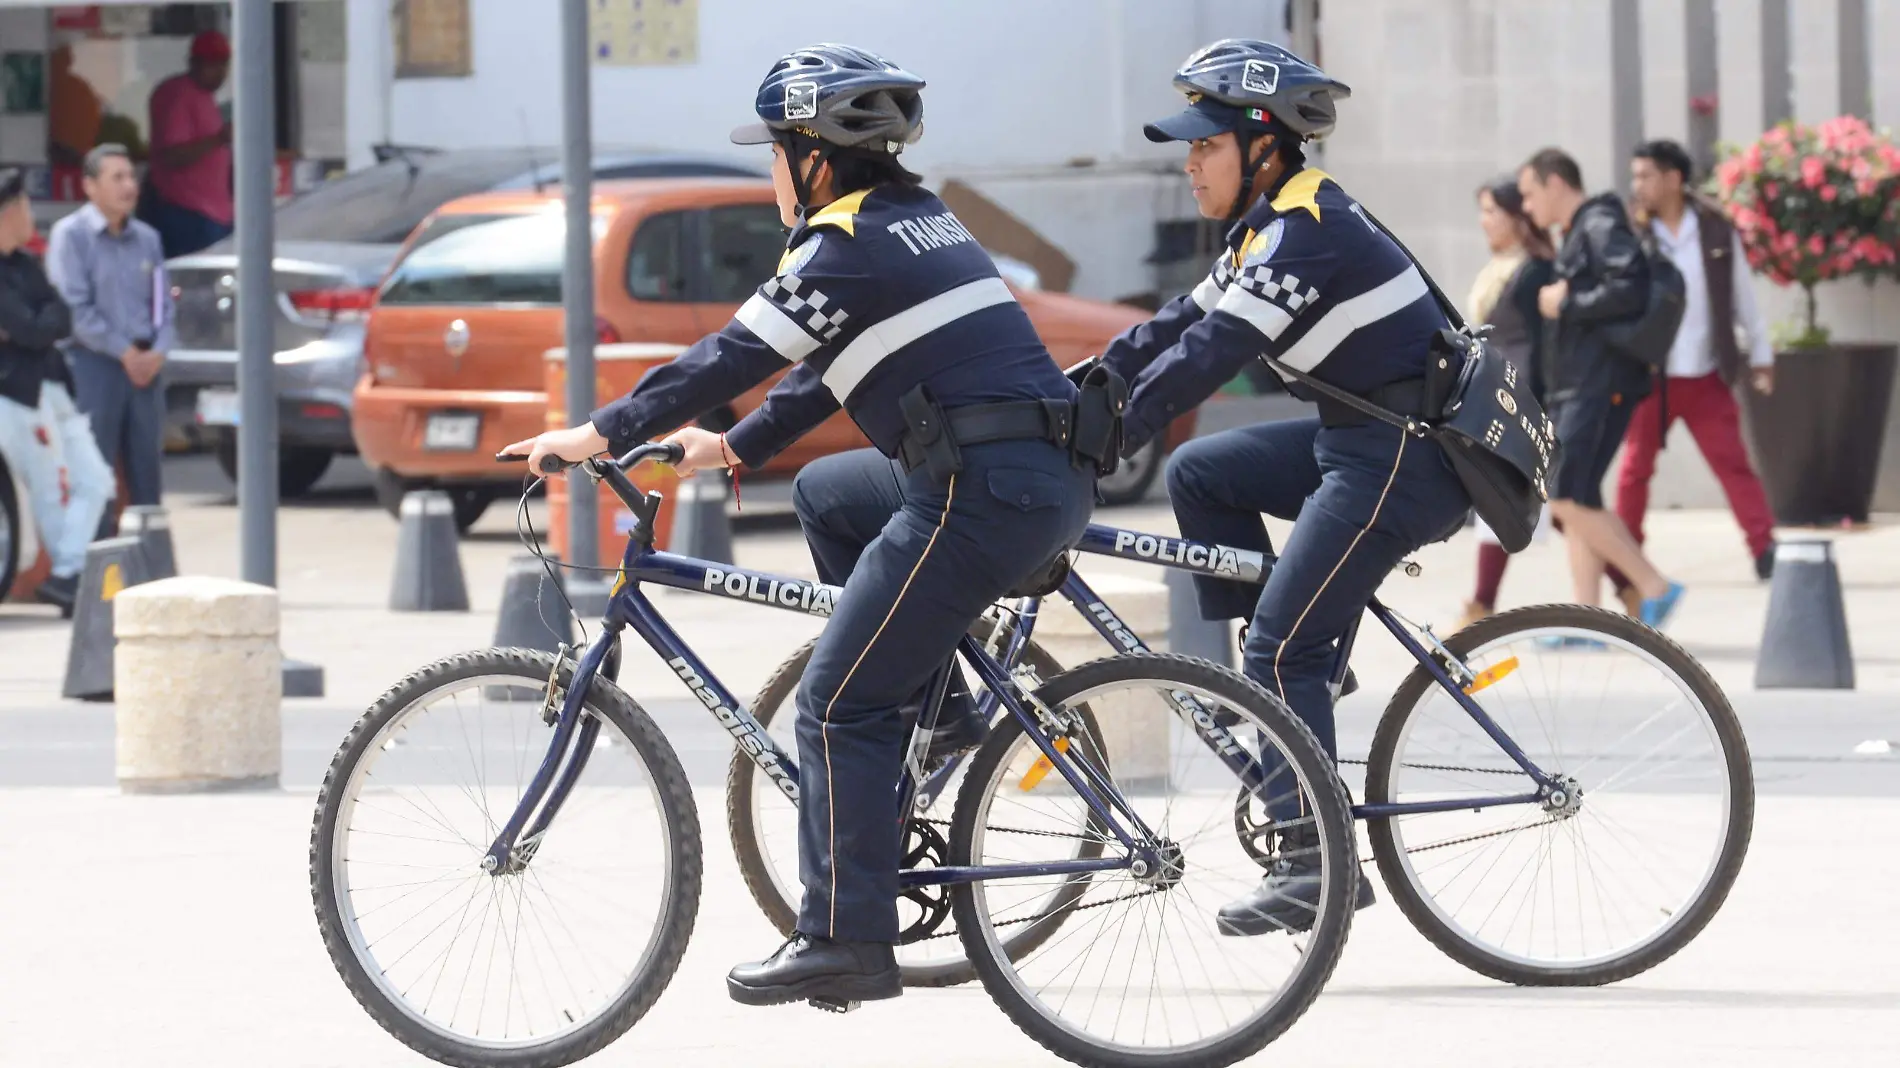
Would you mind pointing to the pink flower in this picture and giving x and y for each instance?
(1773, 189)
(1816, 246)
(1865, 187)
(1829, 193)
(1813, 172)
(1751, 159)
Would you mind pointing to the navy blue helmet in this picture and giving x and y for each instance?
(841, 95)
(1240, 84)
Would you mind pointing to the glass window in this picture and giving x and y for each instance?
(743, 246)
(485, 259)
(656, 264)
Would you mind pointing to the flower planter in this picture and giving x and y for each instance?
(1817, 438)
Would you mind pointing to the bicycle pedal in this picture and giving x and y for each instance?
(833, 1004)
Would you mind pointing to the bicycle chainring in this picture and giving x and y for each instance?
(923, 909)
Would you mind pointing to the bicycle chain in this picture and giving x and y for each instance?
(1447, 767)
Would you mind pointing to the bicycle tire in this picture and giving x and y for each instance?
(1689, 922)
(756, 869)
(1332, 812)
(685, 872)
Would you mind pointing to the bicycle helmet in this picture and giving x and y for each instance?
(1250, 88)
(833, 97)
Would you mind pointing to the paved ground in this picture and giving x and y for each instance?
(177, 931)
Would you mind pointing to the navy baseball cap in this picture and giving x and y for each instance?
(1205, 117)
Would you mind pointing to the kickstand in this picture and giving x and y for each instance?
(833, 1004)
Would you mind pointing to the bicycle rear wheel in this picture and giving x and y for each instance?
(1141, 975)
(534, 967)
(1626, 866)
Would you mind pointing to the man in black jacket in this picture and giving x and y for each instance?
(1602, 278)
(40, 429)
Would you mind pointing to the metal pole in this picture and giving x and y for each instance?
(577, 278)
(253, 144)
(1626, 88)
(1777, 81)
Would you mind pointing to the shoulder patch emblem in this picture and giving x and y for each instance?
(795, 258)
(1265, 243)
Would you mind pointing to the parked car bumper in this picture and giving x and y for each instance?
(314, 388)
(391, 426)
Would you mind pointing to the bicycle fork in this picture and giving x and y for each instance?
(568, 750)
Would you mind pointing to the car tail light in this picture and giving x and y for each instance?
(322, 411)
(332, 305)
(604, 332)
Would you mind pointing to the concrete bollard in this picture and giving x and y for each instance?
(701, 528)
(112, 566)
(199, 683)
(1804, 644)
(1135, 728)
(1188, 633)
(532, 615)
(152, 526)
(428, 557)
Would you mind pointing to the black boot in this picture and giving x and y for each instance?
(1350, 685)
(1287, 898)
(59, 591)
(1765, 564)
(807, 968)
(958, 728)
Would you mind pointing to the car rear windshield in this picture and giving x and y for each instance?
(484, 259)
(381, 204)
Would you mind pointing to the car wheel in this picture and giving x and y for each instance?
(1132, 477)
(10, 538)
(298, 466)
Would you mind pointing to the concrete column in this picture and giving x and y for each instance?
(1664, 32)
(1854, 58)
(198, 680)
(1136, 726)
(1814, 51)
(1883, 32)
(1738, 54)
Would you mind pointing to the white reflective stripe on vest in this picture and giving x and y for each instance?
(776, 328)
(1263, 315)
(1207, 294)
(1367, 308)
(879, 340)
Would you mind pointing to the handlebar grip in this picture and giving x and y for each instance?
(552, 464)
(670, 453)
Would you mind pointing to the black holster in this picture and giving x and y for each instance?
(1097, 441)
(924, 418)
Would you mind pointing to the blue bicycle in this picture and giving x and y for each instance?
(506, 859)
(1556, 795)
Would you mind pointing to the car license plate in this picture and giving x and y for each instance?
(218, 407)
(452, 432)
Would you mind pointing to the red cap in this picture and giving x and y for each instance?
(211, 46)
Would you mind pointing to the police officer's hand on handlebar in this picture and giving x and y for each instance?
(547, 453)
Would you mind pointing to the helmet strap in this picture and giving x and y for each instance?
(1244, 139)
(795, 149)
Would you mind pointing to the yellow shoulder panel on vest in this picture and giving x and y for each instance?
(842, 212)
(1300, 192)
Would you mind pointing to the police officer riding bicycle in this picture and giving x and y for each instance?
(1305, 279)
(885, 305)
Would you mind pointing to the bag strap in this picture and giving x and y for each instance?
(1353, 400)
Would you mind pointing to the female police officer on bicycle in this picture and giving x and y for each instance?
(1308, 280)
(885, 305)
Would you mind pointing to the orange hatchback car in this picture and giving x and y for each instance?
(454, 350)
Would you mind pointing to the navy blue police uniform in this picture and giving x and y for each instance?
(1308, 280)
(880, 292)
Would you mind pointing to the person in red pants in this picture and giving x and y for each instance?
(1705, 363)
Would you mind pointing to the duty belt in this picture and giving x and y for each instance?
(975, 424)
(1403, 398)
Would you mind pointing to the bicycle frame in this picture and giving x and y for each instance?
(1245, 565)
(629, 609)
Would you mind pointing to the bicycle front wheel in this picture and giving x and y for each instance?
(1623, 865)
(538, 965)
(1142, 973)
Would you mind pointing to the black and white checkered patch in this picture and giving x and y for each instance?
(1279, 287)
(805, 305)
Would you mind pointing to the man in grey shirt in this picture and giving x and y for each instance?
(110, 269)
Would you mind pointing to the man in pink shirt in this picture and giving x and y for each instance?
(190, 168)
